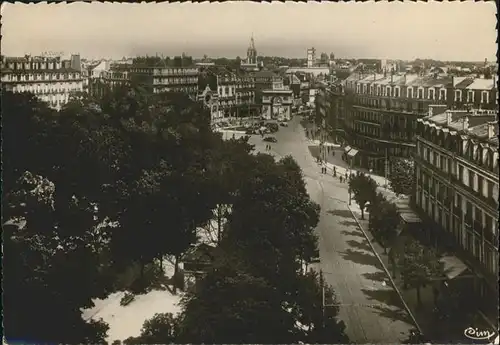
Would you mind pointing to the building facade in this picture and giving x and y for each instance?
(381, 110)
(235, 92)
(52, 80)
(277, 102)
(211, 101)
(166, 79)
(456, 167)
(330, 111)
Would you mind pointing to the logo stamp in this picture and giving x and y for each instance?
(477, 334)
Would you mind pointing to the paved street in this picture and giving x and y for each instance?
(369, 306)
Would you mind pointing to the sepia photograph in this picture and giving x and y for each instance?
(250, 172)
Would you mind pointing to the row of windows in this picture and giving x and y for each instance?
(37, 65)
(477, 182)
(38, 77)
(482, 157)
(420, 93)
(168, 81)
(175, 71)
(465, 235)
(391, 104)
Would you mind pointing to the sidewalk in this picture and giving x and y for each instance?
(434, 328)
(340, 165)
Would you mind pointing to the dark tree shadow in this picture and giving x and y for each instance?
(349, 223)
(399, 314)
(352, 233)
(361, 258)
(385, 296)
(359, 245)
(378, 276)
(341, 213)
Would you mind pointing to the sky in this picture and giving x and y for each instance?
(456, 31)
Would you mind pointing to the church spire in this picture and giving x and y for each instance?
(252, 43)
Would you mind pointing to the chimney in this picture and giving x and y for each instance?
(491, 130)
(465, 121)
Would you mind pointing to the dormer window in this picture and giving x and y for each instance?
(485, 97)
(358, 88)
(365, 88)
(442, 94)
(458, 95)
(432, 93)
(420, 93)
(470, 96)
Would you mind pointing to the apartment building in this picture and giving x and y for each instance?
(381, 110)
(166, 78)
(52, 80)
(330, 111)
(235, 92)
(456, 167)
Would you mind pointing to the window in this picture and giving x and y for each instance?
(378, 90)
(442, 94)
(470, 96)
(458, 95)
(471, 178)
(421, 93)
(409, 92)
(431, 93)
(396, 92)
(388, 91)
(485, 97)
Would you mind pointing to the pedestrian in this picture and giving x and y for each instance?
(334, 172)
(340, 178)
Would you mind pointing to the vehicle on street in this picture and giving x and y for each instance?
(271, 139)
(284, 124)
(273, 127)
(250, 131)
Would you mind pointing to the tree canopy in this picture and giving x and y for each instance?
(364, 190)
(402, 176)
(130, 177)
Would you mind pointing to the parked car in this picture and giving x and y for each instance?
(284, 124)
(250, 131)
(271, 139)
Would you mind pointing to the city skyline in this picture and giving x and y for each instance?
(370, 30)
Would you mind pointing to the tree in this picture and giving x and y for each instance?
(50, 265)
(364, 189)
(402, 177)
(162, 328)
(231, 305)
(419, 266)
(384, 222)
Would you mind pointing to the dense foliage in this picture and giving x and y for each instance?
(108, 184)
(419, 266)
(364, 190)
(402, 176)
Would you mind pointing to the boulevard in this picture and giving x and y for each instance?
(368, 304)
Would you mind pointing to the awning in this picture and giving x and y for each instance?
(352, 152)
(453, 266)
(347, 148)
